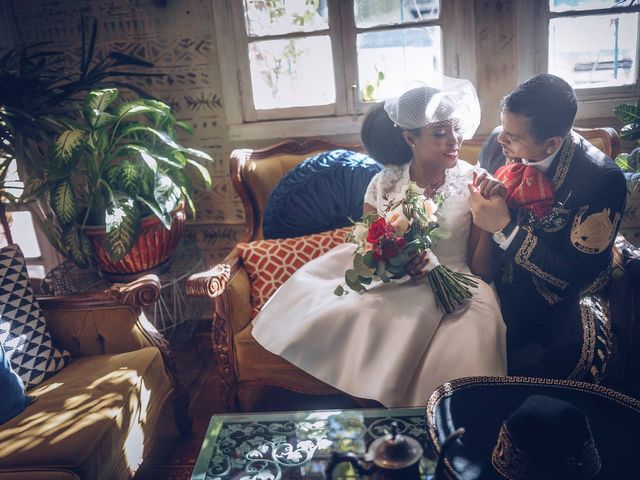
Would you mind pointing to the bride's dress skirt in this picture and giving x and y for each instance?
(390, 343)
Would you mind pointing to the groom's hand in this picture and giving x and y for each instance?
(489, 214)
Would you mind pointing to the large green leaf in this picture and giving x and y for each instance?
(64, 203)
(164, 217)
(53, 234)
(197, 153)
(630, 132)
(162, 136)
(79, 247)
(138, 107)
(130, 177)
(187, 127)
(628, 113)
(122, 223)
(166, 192)
(67, 146)
(204, 173)
(142, 152)
(97, 102)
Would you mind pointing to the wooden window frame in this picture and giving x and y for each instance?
(457, 22)
(596, 102)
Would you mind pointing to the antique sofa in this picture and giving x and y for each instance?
(95, 418)
(243, 363)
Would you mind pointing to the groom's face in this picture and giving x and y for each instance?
(516, 138)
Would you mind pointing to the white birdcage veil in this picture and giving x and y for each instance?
(443, 100)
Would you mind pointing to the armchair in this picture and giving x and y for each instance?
(95, 419)
(243, 363)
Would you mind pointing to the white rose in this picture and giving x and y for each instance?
(412, 187)
(430, 209)
(360, 233)
(398, 220)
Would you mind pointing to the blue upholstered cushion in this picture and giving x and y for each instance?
(12, 399)
(319, 194)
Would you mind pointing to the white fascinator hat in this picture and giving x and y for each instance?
(442, 100)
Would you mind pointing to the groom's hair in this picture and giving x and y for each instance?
(548, 101)
(383, 139)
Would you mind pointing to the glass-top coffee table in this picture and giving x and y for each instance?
(298, 445)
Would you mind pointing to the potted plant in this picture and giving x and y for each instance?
(629, 115)
(35, 89)
(116, 183)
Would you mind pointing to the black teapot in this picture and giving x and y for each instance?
(391, 457)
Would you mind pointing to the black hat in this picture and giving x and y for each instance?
(522, 427)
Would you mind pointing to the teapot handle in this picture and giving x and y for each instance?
(438, 473)
(352, 458)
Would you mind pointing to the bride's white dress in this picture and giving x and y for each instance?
(390, 343)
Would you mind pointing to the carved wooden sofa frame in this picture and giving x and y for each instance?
(243, 363)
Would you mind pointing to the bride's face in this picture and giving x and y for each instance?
(437, 146)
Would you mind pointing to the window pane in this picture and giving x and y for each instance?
(371, 13)
(23, 233)
(276, 17)
(292, 72)
(564, 5)
(594, 51)
(389, 60)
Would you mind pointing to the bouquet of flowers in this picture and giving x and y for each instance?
(388, 240)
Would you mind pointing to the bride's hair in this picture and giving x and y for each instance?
(383, 139)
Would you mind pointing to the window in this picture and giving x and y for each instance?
(40, 256)
(593, 44)
(303, 60)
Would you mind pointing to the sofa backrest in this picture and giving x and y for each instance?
(255, 173)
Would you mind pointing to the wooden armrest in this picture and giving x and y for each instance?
(104, 322)
(210, 283)
(228, 285)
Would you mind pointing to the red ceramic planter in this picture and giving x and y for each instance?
(154, 246)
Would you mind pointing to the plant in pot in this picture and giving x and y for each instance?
(35, 89)
(629, 115)
(116, 184)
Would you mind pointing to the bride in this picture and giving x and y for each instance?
(391, 343)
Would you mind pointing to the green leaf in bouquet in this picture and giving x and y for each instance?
(380, 268)
(365, 280)
(351, 276)
(360, 267)
(439, 233)
(353, 282)
(370, 261)
(340, 291)
(399, 260)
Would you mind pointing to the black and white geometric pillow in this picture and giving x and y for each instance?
(23, 331)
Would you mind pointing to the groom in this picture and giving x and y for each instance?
(554, 231)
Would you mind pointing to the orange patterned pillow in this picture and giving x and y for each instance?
(270, 263)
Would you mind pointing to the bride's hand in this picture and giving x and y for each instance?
(417, 266)
(488, 185)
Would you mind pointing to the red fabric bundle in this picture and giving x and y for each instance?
(527, 187)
